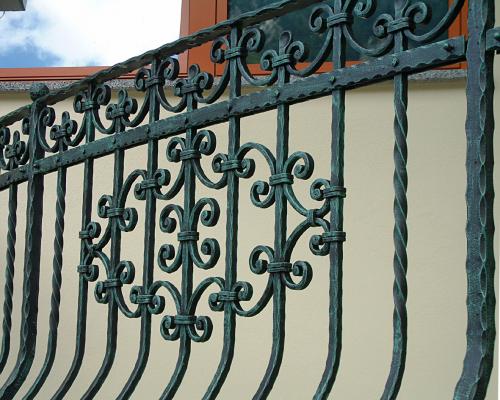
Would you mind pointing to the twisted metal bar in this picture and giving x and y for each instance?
(55, 299)
(81, 324)
(400, 290)
(336, 216)
(400, 234)
(9, 276)
(480, 229)
(32, 250)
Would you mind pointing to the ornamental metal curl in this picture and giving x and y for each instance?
(205, 211)
(405, 43)
(13, 151)
(406, 19)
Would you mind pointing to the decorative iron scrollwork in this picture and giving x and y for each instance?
(181, 246)
(205, 211)
(13, 151)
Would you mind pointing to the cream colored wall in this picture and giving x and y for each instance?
(436, 275)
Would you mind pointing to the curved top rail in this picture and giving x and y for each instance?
(198, 38)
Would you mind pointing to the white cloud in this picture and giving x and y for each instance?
(92, 32)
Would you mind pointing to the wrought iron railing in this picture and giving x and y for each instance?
(56, 146)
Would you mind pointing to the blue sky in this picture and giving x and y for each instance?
(85, 33)
(27, 56)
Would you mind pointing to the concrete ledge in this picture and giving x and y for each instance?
(116, 84)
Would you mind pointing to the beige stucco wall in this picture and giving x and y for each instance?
(436, 276)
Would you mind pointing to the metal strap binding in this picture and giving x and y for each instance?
(117, 112)
(225, 295)
(277, 267)
(189, 88)
(83, 269)
(332, 237)
(400, 24)
(283, 59)
(338, 19)
(281, 179)
(149, 184)
(188, 236)
(59, 133)
(88, 105)
(334, 192)
(114, 212)
(112, 283)
(184, 320)
(230, 165)
(190, 155)
(144, 299)
(234, 52)
(84, 235)
(154, 81)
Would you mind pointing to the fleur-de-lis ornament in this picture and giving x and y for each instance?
(13, 151)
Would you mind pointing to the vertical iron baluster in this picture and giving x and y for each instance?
(9, 275)
(336, 217)
(400, 234)
(187, 264)
(231, 230)
(149, 247)
(81, 324)
(480, 230)
(55, 300)
(280, 237)
(115, 250)
(32, 250)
